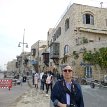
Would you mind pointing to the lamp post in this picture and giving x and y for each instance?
(23, 44)
(38, 54)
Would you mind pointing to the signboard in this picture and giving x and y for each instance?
(6, 83)
(85, 64)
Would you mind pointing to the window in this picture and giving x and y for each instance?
(77, 41)
(48, 33)
(66, 24)
(58, 32)
(66, 49)
(88, 72)
(88, 19)
(33, 52)
(54, 38)
(48, 43)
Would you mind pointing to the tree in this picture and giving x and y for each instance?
(98, 57)
(88, 56)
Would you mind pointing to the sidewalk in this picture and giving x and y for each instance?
(33, 98)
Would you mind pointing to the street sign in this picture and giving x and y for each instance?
(6, 83)
(85, 64)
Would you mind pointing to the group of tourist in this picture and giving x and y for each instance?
(46, 80)
(65, 92)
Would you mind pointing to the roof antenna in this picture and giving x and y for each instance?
(101, 4)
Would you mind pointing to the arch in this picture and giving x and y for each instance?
(66, 24)
(66, 49)
(88, 18)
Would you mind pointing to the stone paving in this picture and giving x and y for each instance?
(33, 98)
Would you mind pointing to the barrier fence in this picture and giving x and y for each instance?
(6, 83)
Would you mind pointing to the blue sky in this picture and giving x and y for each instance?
(35, 16)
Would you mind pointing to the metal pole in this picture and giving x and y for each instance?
(23, 52)
(23, 41)
(38, 55)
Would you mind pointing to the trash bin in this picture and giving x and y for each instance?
(24, 79)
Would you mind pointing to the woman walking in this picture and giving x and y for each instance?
(36, 80)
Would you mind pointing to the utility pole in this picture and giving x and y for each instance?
(38, 54)
(23, 43)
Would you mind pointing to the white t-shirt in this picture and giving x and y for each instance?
(41, 74)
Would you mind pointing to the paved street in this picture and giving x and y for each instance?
(34, 98)
(95, 97)
(7, 97)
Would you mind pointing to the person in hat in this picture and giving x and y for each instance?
(67, 92)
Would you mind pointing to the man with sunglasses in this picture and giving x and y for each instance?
(67, 92)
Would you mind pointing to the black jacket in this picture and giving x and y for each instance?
(58, 93)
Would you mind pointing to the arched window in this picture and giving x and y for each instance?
(66, 24)
(66, 49)
(88, 72)
(33, 52)
(88, 19)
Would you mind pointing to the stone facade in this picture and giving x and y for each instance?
(11, 66)
(36, 55)
(81, 27)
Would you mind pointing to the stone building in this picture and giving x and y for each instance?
(36, 54)
(23, 63)
(11, 67)
(81, 27)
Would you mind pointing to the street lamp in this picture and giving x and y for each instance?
(23, 43)
(38, 54)
(19, 45)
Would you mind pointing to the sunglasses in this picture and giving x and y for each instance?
(69, 70)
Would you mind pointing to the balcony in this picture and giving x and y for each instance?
(46, 58)
(54, 50)
(54, 55)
